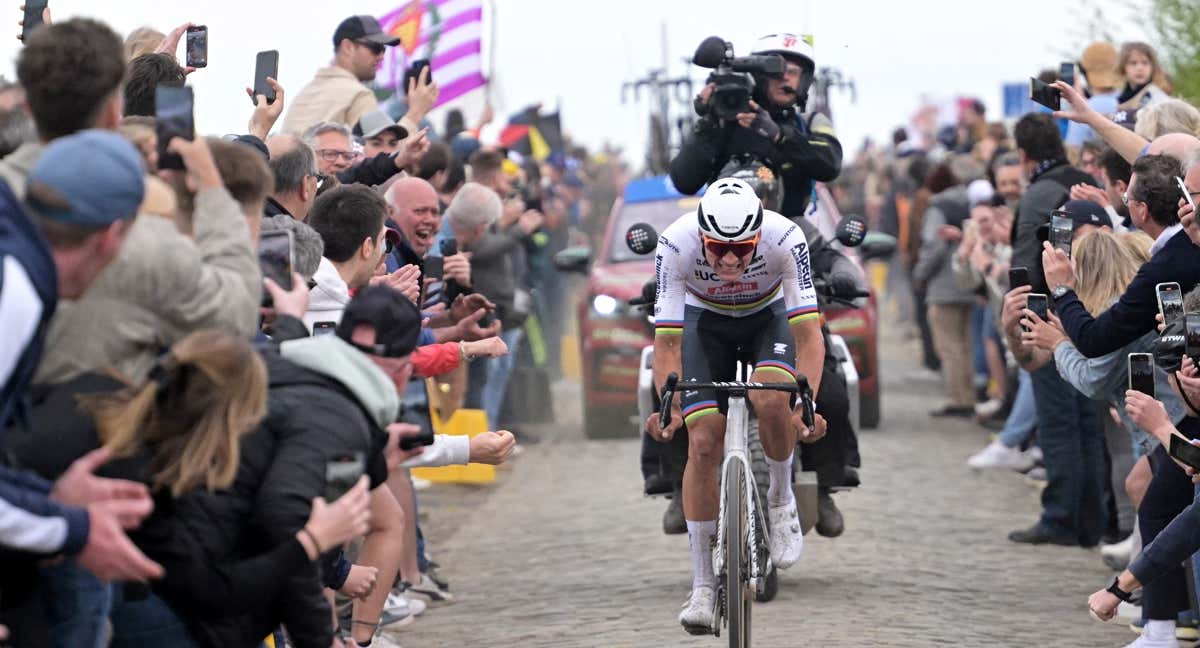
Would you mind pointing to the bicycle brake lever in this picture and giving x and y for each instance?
(668, 395)
(807, 412)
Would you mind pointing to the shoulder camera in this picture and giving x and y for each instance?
(733, 75)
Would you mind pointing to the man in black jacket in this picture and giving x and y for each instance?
(1069, 434)
(800, 148)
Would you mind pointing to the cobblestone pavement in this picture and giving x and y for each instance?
(565, 551)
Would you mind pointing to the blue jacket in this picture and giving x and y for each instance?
(29, 521)
(1133, 314)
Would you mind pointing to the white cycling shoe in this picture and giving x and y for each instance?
(697, 614)
(786, 541)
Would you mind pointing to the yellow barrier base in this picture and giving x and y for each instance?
(464, 421)
(571, 364)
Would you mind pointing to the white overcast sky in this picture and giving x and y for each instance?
(578, 53)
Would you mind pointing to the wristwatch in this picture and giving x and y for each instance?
(1116, 591)
(1061, 290)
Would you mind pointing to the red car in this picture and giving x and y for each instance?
(612, 334)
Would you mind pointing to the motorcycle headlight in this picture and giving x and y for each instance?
(605, 305)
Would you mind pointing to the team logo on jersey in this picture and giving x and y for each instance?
(780, 348)
(734, 288)
(662, 240)
(786, 235)
(803, 269)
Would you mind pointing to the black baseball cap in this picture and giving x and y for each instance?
(1081, 212)
(364, 28)
(396, 320)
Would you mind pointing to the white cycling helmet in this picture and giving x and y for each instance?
(730, 211)
(788, 46)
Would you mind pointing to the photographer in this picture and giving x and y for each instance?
(800, 148)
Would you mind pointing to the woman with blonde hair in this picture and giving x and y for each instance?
(1169, 116)
(1105, 264)
(1145, 81)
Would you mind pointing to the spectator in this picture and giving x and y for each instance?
(167, 284)
(296, 177)
(1068, 429)
(146, 73)
(333, 145)
(434, 165)
(72, 73)
(949, 303)
(1114, 174)
(1167, 116)
(337, 93)
(1145, 82)
(16, 129)
(307, 246)
(1100, 68)
(380, 135)
(140, 131)
(143, 40)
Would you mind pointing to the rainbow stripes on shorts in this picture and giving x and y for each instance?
(777, 366)
(696, 410)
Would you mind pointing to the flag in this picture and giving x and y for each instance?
(533, 134)
(447, 32)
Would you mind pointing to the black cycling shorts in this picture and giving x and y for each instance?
(713, 344)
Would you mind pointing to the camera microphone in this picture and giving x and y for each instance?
(711, 52)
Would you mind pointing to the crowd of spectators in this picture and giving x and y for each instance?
(194, 455)
(972, 205)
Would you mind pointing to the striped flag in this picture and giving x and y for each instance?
(447, 32)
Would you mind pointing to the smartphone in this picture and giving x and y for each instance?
(173, 113)
(33, 16)
(197, 46)
(1191, 336)
(342, 473)
(1066, 72)
(1039, 304)
(324, 328)
(414, 72)
(1044, 94)
(1017, 277)
(1184, 451)
(1170, 301)
(1062, 229)
(1187, 195)
(449, 247)
(266, 64)
(1141, 373)
(425, 438)
(434, 267)
(276, 257)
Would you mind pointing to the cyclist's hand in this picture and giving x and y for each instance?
(807, 435)
(659, 434)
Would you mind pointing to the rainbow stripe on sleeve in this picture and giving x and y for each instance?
(802, 313)
(668, 327)
(777, 366)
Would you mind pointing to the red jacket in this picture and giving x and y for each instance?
(435, 359)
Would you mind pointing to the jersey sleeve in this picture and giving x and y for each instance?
(799, 296)
(670, 286)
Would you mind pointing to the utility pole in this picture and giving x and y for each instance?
(663, 90)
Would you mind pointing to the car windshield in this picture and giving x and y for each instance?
(658, 214)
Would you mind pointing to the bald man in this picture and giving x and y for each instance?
(414, 210)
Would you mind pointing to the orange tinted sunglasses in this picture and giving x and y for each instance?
(738, 248)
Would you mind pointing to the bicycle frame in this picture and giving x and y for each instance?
(737, 422)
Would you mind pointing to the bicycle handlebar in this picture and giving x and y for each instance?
(800, 387)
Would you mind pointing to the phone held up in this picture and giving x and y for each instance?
(1040, 305)
(1191, 336)
(1187, 195)
(33, 17)
(1185, 452)
(434, 267)
(324, 328)
(1044, 94)
(1170, 301)
(266, 64)
(173, 118)
(276, 257)
(197, 46)
(1017, 277)
(1141, 373)
(1062, 230)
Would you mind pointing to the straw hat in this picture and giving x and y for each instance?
(1099, 63)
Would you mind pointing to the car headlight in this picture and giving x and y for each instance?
(605, 305)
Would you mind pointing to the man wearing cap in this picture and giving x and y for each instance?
(337, 92)
(165, 284)
(1153, 198)
(55, 250)
(387, 148)
(1099, 66)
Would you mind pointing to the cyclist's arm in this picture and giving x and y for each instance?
(670, 288)
(800, 298)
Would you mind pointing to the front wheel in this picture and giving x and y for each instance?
(738, 596)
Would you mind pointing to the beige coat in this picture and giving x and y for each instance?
(334, 95)
(163, 286)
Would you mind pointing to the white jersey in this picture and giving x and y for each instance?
(780, 270)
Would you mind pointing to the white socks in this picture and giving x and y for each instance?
(701, 534)
(1159, 630)
(779, 492)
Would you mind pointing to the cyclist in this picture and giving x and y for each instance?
(733, 281)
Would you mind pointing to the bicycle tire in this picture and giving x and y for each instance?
(762, 481)
(737, 602)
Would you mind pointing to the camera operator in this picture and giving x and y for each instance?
(800, 148)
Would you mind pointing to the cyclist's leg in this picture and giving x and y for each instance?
(706, 357)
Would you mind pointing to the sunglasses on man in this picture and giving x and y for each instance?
(719, 248)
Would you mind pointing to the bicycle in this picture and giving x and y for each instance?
(741, 522)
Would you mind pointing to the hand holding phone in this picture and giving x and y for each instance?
(1187, 195)
(1191, 334)
(1066, 72)
(276, 257)
(434, 267)
(266, 65)
(1044, 94)
(1170, 301)
(1141, 373)
(1184, 451)
(35, 16)
(1040, 305)
(173, 118)
(1017, 277)
(1062, 230)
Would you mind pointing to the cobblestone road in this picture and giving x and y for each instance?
(565, 551)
